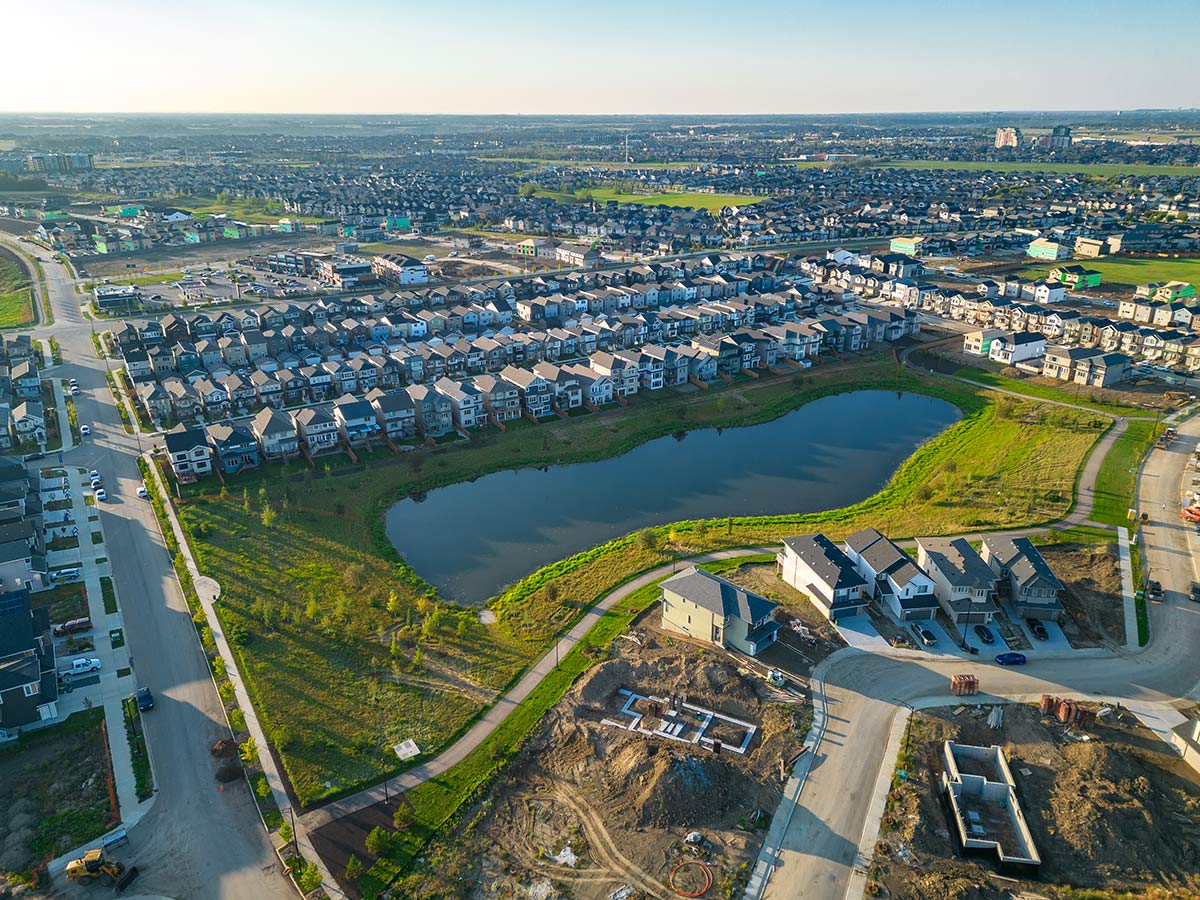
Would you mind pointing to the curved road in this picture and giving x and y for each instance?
(195, 842)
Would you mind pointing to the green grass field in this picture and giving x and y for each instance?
(689, 200)
(1130, 272)
(250, 211)
(1101, 169)
(1042, 392)
(1118, 472)
(322, 613)
(16, 292)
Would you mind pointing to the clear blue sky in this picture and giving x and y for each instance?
(614, 56)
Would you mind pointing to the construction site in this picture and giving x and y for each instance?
(1111, 811)
(654, 777)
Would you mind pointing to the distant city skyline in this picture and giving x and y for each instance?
(538, 57)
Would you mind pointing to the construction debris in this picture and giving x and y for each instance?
(964, 685)
(1069, 712)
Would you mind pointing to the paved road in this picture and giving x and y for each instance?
(195, 843)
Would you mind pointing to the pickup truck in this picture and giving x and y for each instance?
(82, 666)
(73, 626)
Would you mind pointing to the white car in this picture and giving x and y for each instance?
(94, 475)
(83, 666)
(75, 391)
(101, 496)
(74, 382)
(142, 492)
(85, 430)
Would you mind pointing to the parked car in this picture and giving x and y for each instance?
(101, 496)
(85, 430)
(74, 382)
(75, 391)
(1194, 596)
(94, 475)
(1154, 591)
(924, 635)
(1038, 629)
(145, 699)
(1011, 659)
(82, 666)
(984, 634)
(142, 492)
(73, 626)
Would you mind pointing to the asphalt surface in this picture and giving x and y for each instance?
(196, 842)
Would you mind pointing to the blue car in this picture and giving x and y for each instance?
(145, 699)
(1010, 659)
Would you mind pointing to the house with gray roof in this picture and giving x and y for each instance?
(708, 608)
(893, 577)
(964, 584)
(28, 676)
(814, 564)
(1034, 590)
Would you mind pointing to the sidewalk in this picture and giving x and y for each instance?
(112, 688)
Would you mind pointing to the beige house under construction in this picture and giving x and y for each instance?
(709, 608)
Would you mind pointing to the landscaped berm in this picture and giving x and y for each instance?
(346, 652)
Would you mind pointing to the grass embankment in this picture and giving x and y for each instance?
(1129, 272)
(143, 779)
(309, 576)
(16, 292)
(1081, 397)
(1103, 170)
(681, 199)
(1117, 477)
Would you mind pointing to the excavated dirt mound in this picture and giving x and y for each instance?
(715, 683)
(225, 748)
(228, 772)
(666, 788)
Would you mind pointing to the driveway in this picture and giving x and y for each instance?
(858, 632)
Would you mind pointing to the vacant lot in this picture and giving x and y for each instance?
(1131, 272)
(252, 211)
(16, 292)
(1115, 813)
(1103, 170)
(56, 788)
(317, 599)
(690, 200)
(1091, 575)
(217, 253)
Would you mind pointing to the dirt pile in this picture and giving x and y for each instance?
(1106, 810)
(651, 785)
(224, 749)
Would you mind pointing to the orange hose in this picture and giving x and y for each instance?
(708, 878)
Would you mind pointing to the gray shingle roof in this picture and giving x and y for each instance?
(828, 560)
(718, 595)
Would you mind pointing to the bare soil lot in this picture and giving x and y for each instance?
(172, 259)
(1092, 599)
(1113, 812)
(588, 809)
(54, 785)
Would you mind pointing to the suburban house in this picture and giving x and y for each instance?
(318, 430)
(979, 343)
(963, 583)
(22, 555)
(234, 446)
(191, 457)
(709, 608)
(893, 578)
(28, 675)
(1017, 347)
(1034, 590)
(276, 434)
(814, 564)
(356, 420)
(395, 414)
(28, 423)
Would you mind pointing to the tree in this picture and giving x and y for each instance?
(528, 189)
(379, 841)
(285, 832)
(402, 818)
(248, 751)
(648, 539)
(308, 879)
(267, 516)
(464, 622)
(700, 529)
(353, 868)
(417, 657)
(246, 500)
(393, 604)
(312, 609)
(262, 498)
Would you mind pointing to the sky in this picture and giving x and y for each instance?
(539, 57)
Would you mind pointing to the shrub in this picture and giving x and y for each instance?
(379, 841)
(353, 868)
(308, 878)
(248, 751)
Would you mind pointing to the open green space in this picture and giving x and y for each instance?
(590, 163)
(1117, 478)
(1130, 272)
(252, 211)
(336, 605)
(143, 280)
(57, 788)
(1103, 170)
(1077, 395)
(16, 292)
(688, 199)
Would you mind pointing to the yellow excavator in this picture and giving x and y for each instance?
(94, 865)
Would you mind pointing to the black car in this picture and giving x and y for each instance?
(1038, 629)
(924, 635)
(145, 699)
(1154, 591)
(1194, 596)
(984, 634)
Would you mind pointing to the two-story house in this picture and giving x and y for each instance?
(708, 608)
(814, 564)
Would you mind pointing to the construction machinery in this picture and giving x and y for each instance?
(94, 865)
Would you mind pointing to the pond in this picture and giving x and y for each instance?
(471, 539)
